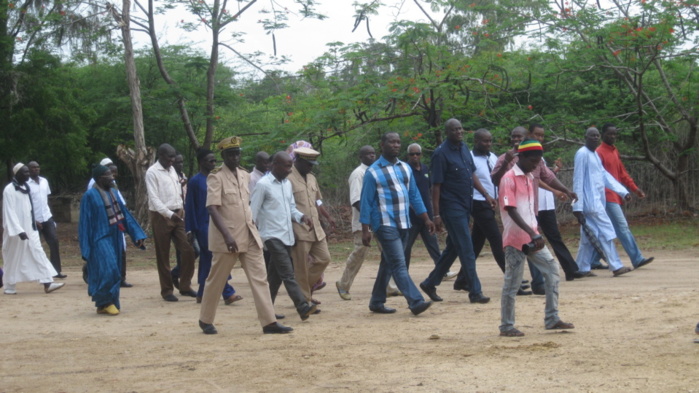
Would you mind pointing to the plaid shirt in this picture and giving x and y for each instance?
(388, 191)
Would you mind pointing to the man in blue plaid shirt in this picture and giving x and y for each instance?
(388, 190)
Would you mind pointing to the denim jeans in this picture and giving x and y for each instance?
(393, 241)
(623, 233)
(430, 241)
(514, 260)
(458, 244)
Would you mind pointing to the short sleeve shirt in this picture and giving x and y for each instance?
(452, 167)
(306, 194)
(517, 189)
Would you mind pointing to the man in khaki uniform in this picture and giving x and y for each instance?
(308, 241)
(233, 236)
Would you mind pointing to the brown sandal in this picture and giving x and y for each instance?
(560, 325)
(512, 333)
(232, 299)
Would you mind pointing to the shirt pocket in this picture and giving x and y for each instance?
(231, 196)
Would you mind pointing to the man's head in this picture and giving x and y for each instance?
(592, 138)
(113, 168)
(517, 135)
(262, 161)
(230, 151)
(609, 134)
(21, 173)
(103, 177)
(414, 154)
(305, 159)
(454, 131)
(482, 141)
(536, 132)
(367, 155)
(166, 155)
(206, 160)
(281, 165)
(390, 145)
(530, 153)
(34, 169)
(178, 164)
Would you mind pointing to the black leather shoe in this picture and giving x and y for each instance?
(600, 267)
(524, 286)
(279, 316)
(276, 328)
(125, 284)
(189, 293)
(306, 312)
(644, 262)
(176, 281)
(570, 276)
(170, 298)
(207, 328)
(60, 275)
(382, 309)
(431, 292)
(420, 308)
(480, 299)
(522, 292)
(461, 286)
(539, 291)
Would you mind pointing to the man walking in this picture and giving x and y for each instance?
(518, 193)
(309, 241)
(388, 191)
(453, 181)
(165, 205)
(40, 192)
(197, 223)
(233, 236)
(103, 221)
(273, 210)
(589, 181)
(261, 168)
(23, 257)
(609, 155)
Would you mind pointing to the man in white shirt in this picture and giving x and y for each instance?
(40, 191)
(273, 209)
(165, 205)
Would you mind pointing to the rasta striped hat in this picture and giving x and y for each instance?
(529, 145)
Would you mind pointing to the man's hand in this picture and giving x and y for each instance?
(639, 193)
(23, 236)
(573, 196)
(510, 155)
(39, 226)
(538, 241)
(437, 224)
(331, 224)
(190, 237)
(231, 245)
(176, 218)
(491, 201)
(627, 197)
(561, 196)
(430, 226)
(308, 222)
(366, 238)
(580, 217)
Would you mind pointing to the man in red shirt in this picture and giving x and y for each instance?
(609, 155)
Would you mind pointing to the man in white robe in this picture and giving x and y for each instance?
(589, 180)
(23, 257)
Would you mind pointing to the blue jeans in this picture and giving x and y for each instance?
(430, 241)
(458, 244)
(393, 241)
(623, 233)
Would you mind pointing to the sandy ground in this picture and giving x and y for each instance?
(633, 334)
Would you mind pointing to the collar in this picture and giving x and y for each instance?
(454, 146)
(383, 162)
(160, 167)
(605, 145)
(479, 154)
(519, 171)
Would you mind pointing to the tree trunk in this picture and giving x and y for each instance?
(140, 157)
(211, 75)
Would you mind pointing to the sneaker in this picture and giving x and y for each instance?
(50, 287)
(450, 275)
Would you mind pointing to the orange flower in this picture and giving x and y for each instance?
(616, 52)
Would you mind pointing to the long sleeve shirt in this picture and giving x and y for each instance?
(589, 180)
(609, 155)
(40, 192)
(388, 191)
(273, 208)
(164, 190)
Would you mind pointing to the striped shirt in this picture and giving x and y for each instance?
(388, 191)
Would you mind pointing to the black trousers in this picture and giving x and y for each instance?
(549, 226)
(281, 270)
(485, 226)
(48, 231)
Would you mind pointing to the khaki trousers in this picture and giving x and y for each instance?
(307, 275)
(355, 261)
(254, 267)
(164, 231)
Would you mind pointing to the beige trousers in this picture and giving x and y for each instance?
(307, 275)
(355, 261)
(254, 267)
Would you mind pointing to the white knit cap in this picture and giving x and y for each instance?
(17, 167)
(106, 161)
